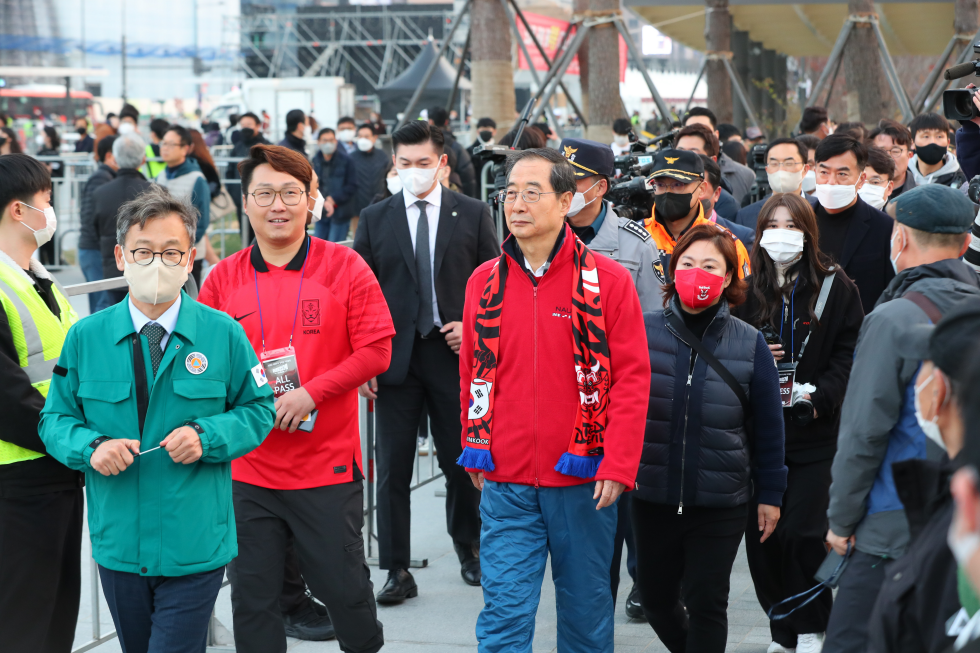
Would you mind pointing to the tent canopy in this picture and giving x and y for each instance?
(804, 29)
(395, 94)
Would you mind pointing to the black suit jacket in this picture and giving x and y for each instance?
(465, 239)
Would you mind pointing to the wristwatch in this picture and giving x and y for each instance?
(97, 441)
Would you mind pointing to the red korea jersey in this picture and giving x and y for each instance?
(341, 310)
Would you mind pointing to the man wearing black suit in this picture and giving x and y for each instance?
(853, 233)
(423, 244)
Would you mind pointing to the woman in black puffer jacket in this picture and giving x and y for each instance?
(699, 452)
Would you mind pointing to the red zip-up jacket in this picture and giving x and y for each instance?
(535, 395)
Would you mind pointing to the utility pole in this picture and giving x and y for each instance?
(718, 42)
(490, 49)
(605, 102)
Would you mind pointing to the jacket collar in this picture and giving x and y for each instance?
(122, 320)
(129, 172)
(559, 252)
(295, 265)
(189, 165)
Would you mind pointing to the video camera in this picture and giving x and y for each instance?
(958, 102)
(632, 195)
(757, 160)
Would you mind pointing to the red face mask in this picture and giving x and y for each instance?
(697, 288)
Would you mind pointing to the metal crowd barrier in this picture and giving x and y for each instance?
(367, 420)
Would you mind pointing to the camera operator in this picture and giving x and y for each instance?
(678, 186)
(813, 353)
(786, 167)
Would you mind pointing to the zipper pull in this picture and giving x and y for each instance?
(689, 379)
(536, 482)
(680, 508)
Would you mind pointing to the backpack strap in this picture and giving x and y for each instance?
(927, 305)
(828, 282)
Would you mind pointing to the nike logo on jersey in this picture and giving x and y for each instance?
(239, 318)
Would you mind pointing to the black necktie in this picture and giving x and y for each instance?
(423, 266)
(154, 334)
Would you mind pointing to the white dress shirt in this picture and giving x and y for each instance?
(168, 320)
(434, 202)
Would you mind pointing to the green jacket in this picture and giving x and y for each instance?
(158, 518)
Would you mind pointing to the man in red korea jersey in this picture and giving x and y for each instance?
(319, 323)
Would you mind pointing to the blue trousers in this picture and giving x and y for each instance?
(333, 231)
(160, 614)
(90, 260)
(521, 526)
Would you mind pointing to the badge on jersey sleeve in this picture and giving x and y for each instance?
(196, 362)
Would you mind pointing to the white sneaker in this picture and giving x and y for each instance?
(779, 648)
(809, 643)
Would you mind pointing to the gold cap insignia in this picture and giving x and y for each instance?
(671, 159)
(569, 151)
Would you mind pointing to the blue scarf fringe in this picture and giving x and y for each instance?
(476, 459)
(580, 466)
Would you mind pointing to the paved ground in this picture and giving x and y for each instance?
(443, 618)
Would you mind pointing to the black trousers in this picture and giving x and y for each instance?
(686, 561)
(433, 382)
(784, 565)
(325, 524)
(40, 571)
(847, 631)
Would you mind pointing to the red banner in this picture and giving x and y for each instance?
(551, 33)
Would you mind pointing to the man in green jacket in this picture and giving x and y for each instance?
(152, 399)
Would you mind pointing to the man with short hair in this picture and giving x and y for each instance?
(526, 320)
(158, 128)
(464, 164)
(816, 121)
(486, 131)
(89, 257)
(698, 138)
(154, 421)
(129, 152)
(878, 420)
(315, 316)
(346, 133)
(879, 178)
(728, 132)
(40, 499)
(933, 163)
(896, 139)
(739, 177)
(296, 130)
(852, 233)
(371, 164)
(621, 128)
(85, 141)
(786, 169)
(129, 119)
(338, 185)
(249, 135)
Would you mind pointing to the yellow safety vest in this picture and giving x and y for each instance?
(38, 336)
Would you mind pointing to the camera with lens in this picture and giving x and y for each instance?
(958, 102)
(801, 412)
(769, 333)
(757, 159)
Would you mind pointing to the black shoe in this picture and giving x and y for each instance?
(308, 623)
(400, 586)
(469, 560)
(633, 608)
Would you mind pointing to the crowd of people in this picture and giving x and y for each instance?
(696, 409)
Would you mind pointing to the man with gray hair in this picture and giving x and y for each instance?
(129, 152)
(152, 399)
(547, 305)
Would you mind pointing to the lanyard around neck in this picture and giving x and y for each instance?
(792, 319)
(258, 300)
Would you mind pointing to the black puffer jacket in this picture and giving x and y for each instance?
(697, 449)
(87, 238)
(126, 186)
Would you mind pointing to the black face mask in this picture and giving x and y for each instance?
(82, 131)
(248, 134)
(673, 206)
(931, 154)
(485, 135)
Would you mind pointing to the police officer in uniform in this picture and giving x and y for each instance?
(594, 220)
(40, 499)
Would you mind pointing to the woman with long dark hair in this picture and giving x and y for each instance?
(811, 313)
(711, 372)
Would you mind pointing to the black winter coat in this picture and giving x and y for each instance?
(826, 361)
(126, 186)
(464, 165)
(87, 238)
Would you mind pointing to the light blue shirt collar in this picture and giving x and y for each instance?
(168, 320)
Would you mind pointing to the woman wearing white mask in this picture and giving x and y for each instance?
(810, 313)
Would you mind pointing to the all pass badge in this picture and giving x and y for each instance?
(196, 362)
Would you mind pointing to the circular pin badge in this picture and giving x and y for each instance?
(196, 362)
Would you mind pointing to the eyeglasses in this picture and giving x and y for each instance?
(290, 196)
(170, 257)
(171, 144)
(530, 195)
(897, 151)
(668, 186)
(788, 166)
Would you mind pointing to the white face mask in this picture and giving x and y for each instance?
(894, 261)
(621, 140)
(155, 283)
(346, 135)
(307, 132)
(328, 148)
(835, 196)
(873, 195)
(417, 180)
(43, 235)
(783, 245)
(126, 128)
(318, 207)
(809, 182)
(784, 181)
(364, 144)
(929, 427)
(394, 185)
(579, 203)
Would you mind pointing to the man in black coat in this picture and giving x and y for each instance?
(786, 165)
(464, 164)
(130, 154)
(249, 134)
(853, 233)
(89, 257)
(423, 263)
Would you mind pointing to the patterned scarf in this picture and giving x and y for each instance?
(591, 369)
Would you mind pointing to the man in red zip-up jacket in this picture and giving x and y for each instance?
(554, 386)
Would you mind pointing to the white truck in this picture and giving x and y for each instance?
(325, 98)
